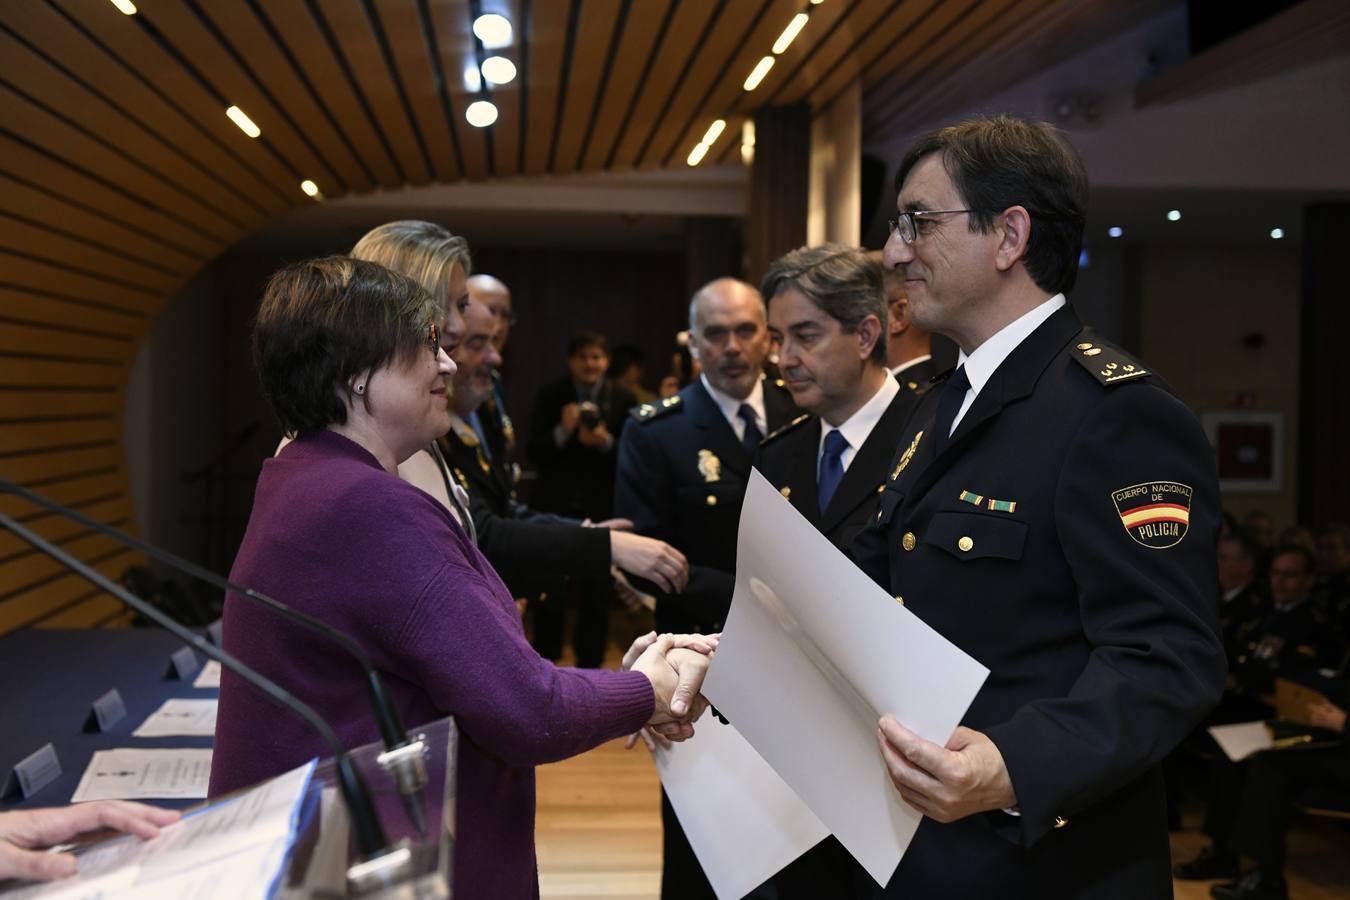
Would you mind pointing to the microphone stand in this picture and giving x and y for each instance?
(370, 836)
(404, 759)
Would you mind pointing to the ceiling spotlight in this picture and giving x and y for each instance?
(125, 7)
(473, 79)
(1174, 215)
(757, 75)
(1277, 233)
(791, 31)
(748, 141)
(481, 113)
(244, 122)
(499, 70)
(714, 132)
(309, 187)
(1115, 231)
(696, 155)
(493, 30)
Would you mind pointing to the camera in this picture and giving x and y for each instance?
(589, 414)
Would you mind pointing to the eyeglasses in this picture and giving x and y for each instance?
(434, 339)
(907, 226)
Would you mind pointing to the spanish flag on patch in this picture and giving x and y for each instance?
(1156, 514)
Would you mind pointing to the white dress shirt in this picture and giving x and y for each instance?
(731, 407)
(985, 360)
(911, 362)
(858, 426)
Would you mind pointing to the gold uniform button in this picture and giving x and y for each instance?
(1087, 346)
(711, 501)
(1060, 821)
(785, 491)
(908, 541)
(899, 599)
(966, 544)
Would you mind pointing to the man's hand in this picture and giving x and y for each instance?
(966, 777)
(25, 833)
(570, 418)
(614, 524)
(648, 558)
(676, 666)
(1325, 714)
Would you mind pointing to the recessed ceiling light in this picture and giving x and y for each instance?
(757, 74)
(244, 122)
(125, 7)
(1174, 215)
(1115, 231)
(696, 155)
(493, 30)
(499, 70)
(1277, 233)
(309, 187)
(473, 79)
(791, 31)
(481, 113)
(714, 132)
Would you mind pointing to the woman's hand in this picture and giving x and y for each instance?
(676, 666)
(25, 833)
(648, 558)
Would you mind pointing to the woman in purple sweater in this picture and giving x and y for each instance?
(349, 357)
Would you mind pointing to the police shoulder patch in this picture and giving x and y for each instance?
(1105, 362)
(646, 412)
(1156, 514)
(791, 426)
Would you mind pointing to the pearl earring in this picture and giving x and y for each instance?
(360, 388)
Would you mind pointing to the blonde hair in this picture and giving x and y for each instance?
(423, 251)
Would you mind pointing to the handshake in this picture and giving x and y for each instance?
(675, 664)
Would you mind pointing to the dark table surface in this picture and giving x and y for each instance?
(49, 680)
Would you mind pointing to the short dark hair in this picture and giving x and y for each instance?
(624, 356)
(1303, 553)
(1000, 162)
(1246, 544)
(841, 281)
(585, 340)
(326, 321)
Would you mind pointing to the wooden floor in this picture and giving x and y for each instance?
(599, 834)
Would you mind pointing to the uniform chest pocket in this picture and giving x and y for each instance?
(715, 495)
(975, 536)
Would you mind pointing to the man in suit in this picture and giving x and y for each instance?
(1052, 511)
(493, 422)
(828, 315)
(683, 466)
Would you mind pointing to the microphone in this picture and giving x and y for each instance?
(403, 759)
(370, 838)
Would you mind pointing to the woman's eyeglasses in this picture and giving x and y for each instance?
(434, 339)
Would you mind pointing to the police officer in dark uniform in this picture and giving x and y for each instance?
(683, 465)
(828, 316)
(1053, 511)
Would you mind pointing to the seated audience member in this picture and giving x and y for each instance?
(1332, 589)
(1261, 528)
(1297, 536)
(349, 356)
(25, 834)
(625, 368)
(1244, 597)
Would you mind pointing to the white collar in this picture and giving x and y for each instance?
(911, 362)
(858, 426)
(731, 407)
(986, 358)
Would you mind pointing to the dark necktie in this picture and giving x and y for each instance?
(831, 470)
(953, 395)
(752, 435)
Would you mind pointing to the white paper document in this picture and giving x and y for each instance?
(130, 774)
(179, 717)
(1242, 740)
(209, 676)
(743, 822)
(813, 653)
(232, 849)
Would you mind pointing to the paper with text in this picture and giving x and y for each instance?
(179, 717)
(209, 676)
(1242, 739)
(130, 774)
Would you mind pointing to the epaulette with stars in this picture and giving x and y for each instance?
(1105, 362)
(779, 432)
(656, 409)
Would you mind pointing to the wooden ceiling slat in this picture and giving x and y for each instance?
(824, 20)
(691, 17)
(252, 41)
(408, 43)
(143, 55)
(935, 31)
(23, 573)
(595, 34)
(54, 35)
(21, 272)
(307, 44)
(510, 105)
(729, 85)
(56, 434)
(20, 404)
(64, 142)
(59, 531)
(121, 211)
(22, 371)
(43, 243)
(32, 204)
(711, 65)
(548, 42)
(356, 37)
(813, 60)
(23, 610)
(27, 72)
(101, 496)
(727, 148)
(641, 31)
(451, 20)
(54, 339)
(40, 470)
(34, 307)
(97, 609)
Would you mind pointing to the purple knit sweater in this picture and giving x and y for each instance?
(334, 535)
